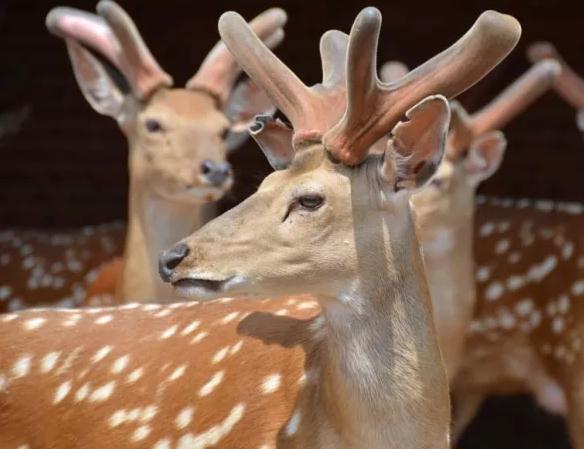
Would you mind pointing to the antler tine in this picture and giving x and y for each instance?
(451, 72)
(283, 87)
(144, 72)
(219, 70)
(333, 53)
(516, 98)
(569, 85)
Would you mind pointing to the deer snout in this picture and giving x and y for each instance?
(170, 259)
(216, 173)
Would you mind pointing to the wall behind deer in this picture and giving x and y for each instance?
(67, 165)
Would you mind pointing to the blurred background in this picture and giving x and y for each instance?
(62, 165)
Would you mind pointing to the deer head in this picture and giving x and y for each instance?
(569, 85)
(178, 138)
(332, 215)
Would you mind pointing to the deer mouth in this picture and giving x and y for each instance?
(202, 288)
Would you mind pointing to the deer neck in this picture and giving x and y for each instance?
(154, 223)
(449, 261)
(382, 378)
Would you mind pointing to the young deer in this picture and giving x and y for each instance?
(445, 210)
(178, 138)
(526, 336)
(367, 372)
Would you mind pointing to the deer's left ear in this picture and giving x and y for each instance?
(485, 155)
(417, 146)
(245, 102)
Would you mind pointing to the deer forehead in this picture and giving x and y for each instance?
(186, 106)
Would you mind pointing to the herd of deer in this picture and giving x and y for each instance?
(338, 306)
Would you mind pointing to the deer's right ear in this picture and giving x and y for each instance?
(417, 147)
(97, 86)
(485, 155)
(275, 140)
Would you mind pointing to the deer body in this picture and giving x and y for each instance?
(178, 138)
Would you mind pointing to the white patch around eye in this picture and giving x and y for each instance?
(494, 291)
(211, 384)
(271, 383)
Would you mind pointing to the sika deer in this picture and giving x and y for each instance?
(526, 336)
(444, 210)
(366, 372)
(177, 156)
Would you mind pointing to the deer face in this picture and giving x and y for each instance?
(177, 145)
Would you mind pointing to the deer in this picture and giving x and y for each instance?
(525, 335)
(366, 371)
(444, 210)
(178, 138)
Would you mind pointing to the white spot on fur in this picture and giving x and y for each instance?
(506, 320)
(514, 257)
(212, 436)
(486, 229)
(558, 325)
(502, 246)
(101, 354)
(197, 338)
(103, 393)
(281, 312)
(524, 307)
(563, 304)
(62, 392)
(220, 355)
(483, 274)
(162, 444)
(49, 361)
(34, 323)
(22, 366)
(118, 418)
(104, 319)
(190, 328)
(544, 205)
(141, 433)
(567, 250)
(82, 392)
(307, 305)
(494, 291)
(515, 282)
(9, 317)
(229, 318)
(169, 332)
(236, 347)
(271, 383)
(5, 292)
(135, 375)
(535, 318)
(293, 424)
(538, 272)
(177, 373)
(211, 384)
(578, 287)
(184, 418)
(120, 364)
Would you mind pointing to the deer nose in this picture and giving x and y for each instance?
(215, 172)
(170, 259)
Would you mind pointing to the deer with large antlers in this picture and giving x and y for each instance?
(178, 138)
(334, 222)
(526, 336)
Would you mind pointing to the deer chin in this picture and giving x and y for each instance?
(193, 195)
(202, 286)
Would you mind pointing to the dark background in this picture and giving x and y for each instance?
(68, 165)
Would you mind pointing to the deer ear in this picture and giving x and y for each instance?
(244, 104)
(417, 147)
(96, 84)
(275, 140)
(485, 155)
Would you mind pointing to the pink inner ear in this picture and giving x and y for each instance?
(92, 34)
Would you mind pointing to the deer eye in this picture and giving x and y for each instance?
(310, 202)
(437, 182)
(153, 126)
